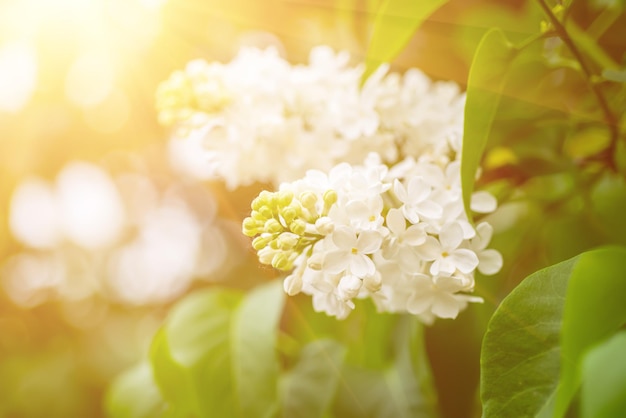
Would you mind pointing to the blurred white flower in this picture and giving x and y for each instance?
(90, 207)
(34, 214)
(317, 115)
(126, 239)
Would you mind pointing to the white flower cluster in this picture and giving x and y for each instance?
(125, 238)
(261, 119)
(399, 236)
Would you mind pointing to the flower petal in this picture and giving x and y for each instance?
(451, 236)
(490, 262)
(344, 238)
(369, 242)
(445, 305)
(414, 235)
(418, 190)
(396, 221)
(361, 265)
(336, 261)
(465, 260)
(430, 210)
(483, 202)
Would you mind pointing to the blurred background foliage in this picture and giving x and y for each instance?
(77, 83)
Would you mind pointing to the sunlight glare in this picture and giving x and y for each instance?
(90, 79)
(18, 75)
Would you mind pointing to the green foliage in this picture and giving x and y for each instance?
(134, 394)
(215, 353)
(603, 393)
(395, 23)
(537, 338)
(400, 388)
(308, 389)
(484, 87)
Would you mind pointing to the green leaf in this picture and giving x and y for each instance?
(215, 354)
(619, 76)
(308, 389)
(172, 379)
(520, 353)
(134, 394)
(603, 393)
(484, 87)
(400, 389)
(395, 23)
(255, 364)
(535, 341)
(594, 310)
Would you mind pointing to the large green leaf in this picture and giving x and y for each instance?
(134, 394)
(520, 353)
(215, 354)
(172, 379)
(486, 79)
(536, 339)
(308, 389)
(603, 393)
(396, 22)
(197, 333)
(594, 309)
(253, 338)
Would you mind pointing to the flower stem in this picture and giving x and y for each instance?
(609, 117)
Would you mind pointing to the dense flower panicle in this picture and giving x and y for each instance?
(240, 114)
(398, 235)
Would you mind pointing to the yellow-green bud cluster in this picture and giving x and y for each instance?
(184, 94)
(284, 226)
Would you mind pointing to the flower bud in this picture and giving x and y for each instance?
(298, 227)
(293, 284)
(308, 199)
(251, 227)
(316, 261)
(324, 225)
(287, 240)
(273, 226)
(284, 198)
(261, 242)
(282, 261)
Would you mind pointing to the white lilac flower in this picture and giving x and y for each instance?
(316, 114)
(415, 200)
(489, 260)
(446, 254)
(351, 253)
(340, 239)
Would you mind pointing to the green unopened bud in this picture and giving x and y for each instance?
(274, 245)
(289, 214)
(284, 198)
(308, 199)
(261, 241)
(251, 227)
(273, 226)
(282, 261)
(266, 212)
(287, 240)
(330, 198)
(298, 227)
(261, 200)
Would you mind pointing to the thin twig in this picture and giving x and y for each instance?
(609, 117)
